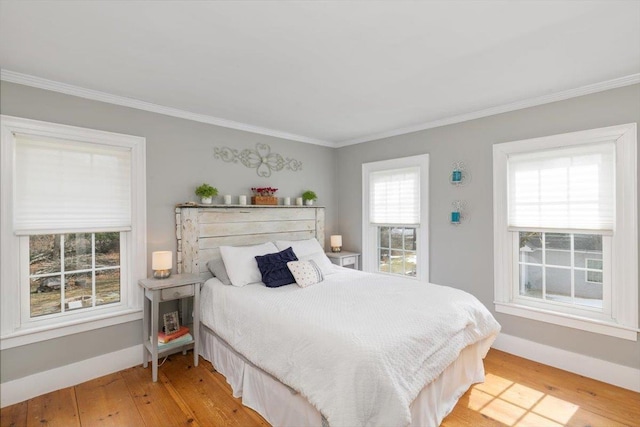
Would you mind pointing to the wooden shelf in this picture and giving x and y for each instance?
(199, 205)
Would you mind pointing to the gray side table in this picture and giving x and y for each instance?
(345, 259)
(175, 287)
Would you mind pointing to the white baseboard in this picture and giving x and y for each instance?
(66, 376)
(587, 366)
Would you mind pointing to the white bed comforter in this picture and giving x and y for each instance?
(358, 346)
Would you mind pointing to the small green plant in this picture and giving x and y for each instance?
(205, 190)
(309, 195)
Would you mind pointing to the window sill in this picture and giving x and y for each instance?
(570, 321)
(30, 336)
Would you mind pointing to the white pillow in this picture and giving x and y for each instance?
(305, 272)
(307, 250)
(241, 264)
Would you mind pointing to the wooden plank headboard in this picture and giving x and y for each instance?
(201, 230)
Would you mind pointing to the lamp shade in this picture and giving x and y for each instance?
(336, 240)
(162, 260)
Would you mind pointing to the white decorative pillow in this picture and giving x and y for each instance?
(305, 272)
(240, 262)
(307, 250)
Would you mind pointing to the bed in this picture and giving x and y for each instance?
(350, 350)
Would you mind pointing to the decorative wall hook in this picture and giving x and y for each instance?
(262, 159)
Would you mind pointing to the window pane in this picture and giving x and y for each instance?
(531, 247)
(107, 249)
(410, 263)
(587, 294)
(588, 242)
(78, 291)
(384, 237)
(410, 239)
(77, 251)
(558, 241)
(558, 282)
(44, 254)
(397, 262)
(384, 261)
(531, 281)
(558, 257)
(107, 286)
(45, 295)
(588, 252)
(531, 256)
(396, 238)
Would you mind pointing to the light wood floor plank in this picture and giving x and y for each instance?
(517, 392)
(106, 401)
(590, 395)
(14, 415)
(57, 408)
(155, 402)
(211, 403)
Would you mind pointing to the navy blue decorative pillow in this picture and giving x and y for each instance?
(274, 270)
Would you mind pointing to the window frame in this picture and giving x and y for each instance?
(370, 231)
(623, 319)
(14, 332)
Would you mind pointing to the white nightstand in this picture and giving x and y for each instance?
(345, 259)
(177, 286)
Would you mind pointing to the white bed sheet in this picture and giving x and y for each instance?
(355, 346)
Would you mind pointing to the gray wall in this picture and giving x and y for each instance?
(462, 256)
(179, 157)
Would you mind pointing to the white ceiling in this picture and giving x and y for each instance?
(326, 72)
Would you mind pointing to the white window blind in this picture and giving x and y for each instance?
(567, 188)
(65, 185)
(395, 196)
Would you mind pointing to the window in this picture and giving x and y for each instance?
(395, 217)
(73, 229)
(553, 267)
(76, 271)
(565, 227)
(397, 250)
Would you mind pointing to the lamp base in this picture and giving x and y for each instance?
(161, 274)
(336, 248)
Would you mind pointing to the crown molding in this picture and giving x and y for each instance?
(38, 82)
(505, 108)
(29, 80)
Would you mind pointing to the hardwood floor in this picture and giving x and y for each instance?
(517, 392)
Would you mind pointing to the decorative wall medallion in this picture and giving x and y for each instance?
(262, 159)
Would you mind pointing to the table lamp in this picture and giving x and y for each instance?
(336, 243)
(161, 263)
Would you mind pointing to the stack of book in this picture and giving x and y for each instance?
(182, 336)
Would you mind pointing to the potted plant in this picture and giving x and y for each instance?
(206, 193)
(308, 197)
(264, 196)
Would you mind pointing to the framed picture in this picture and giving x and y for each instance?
(171, 323)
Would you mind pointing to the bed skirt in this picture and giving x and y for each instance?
(283, 407)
